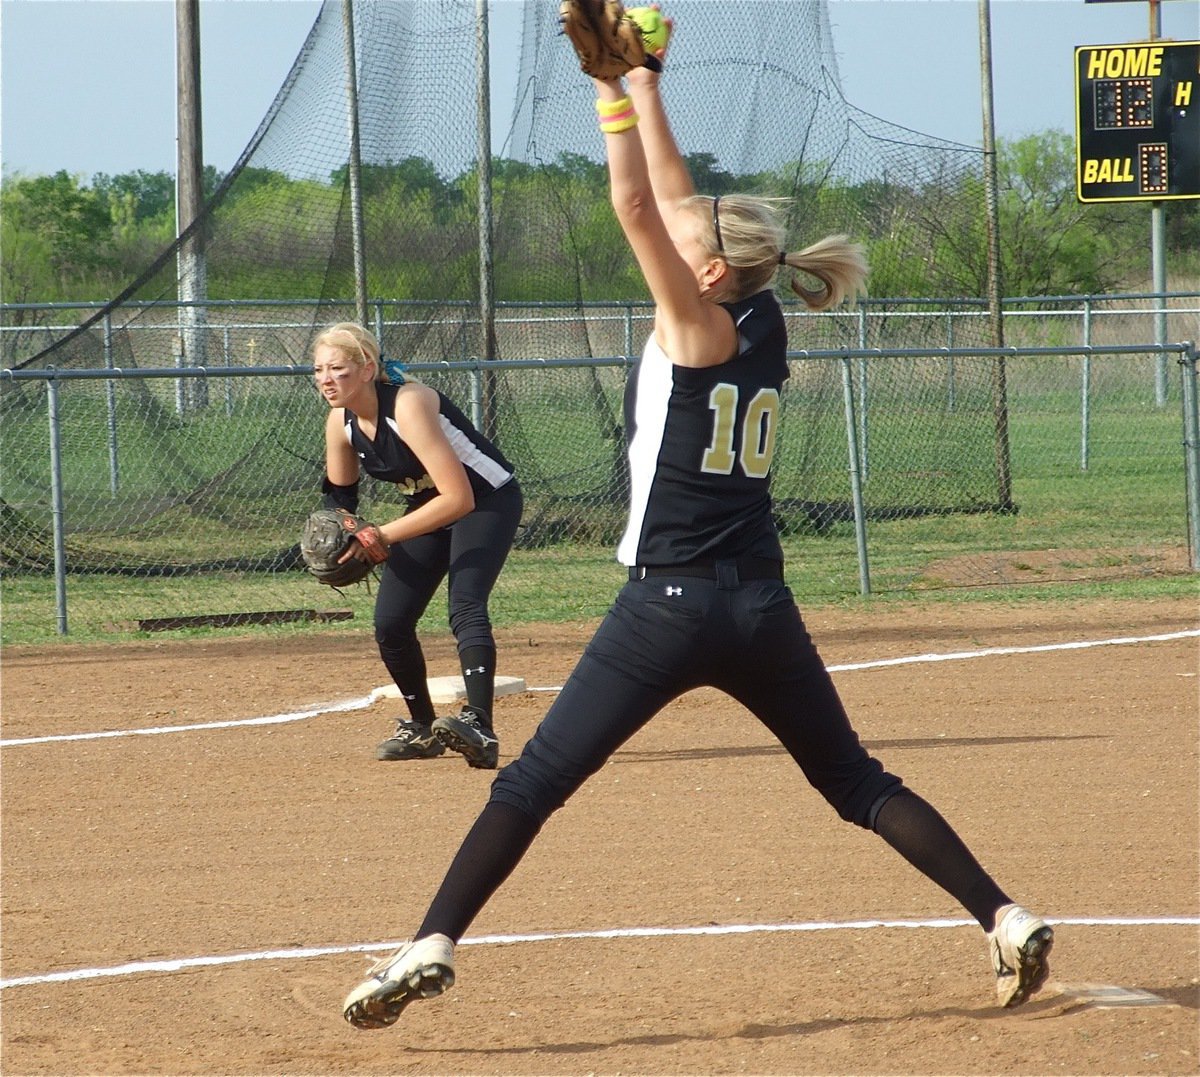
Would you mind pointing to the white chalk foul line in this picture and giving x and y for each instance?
(134, 968)
(367, 701)
(988, 652)
(273, 719)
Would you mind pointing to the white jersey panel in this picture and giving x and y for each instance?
(654, 383)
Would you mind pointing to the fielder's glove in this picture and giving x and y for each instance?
(607, 41)
(328, 535)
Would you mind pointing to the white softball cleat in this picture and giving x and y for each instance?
(421, 969)
(1020, 948)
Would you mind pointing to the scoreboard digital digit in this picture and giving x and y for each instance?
(1137, 126)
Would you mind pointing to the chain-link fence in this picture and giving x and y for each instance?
(137, 492)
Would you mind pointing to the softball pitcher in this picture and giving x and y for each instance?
(705, 602)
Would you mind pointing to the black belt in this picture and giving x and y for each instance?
(735, 569)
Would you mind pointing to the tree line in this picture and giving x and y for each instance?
(63, 239)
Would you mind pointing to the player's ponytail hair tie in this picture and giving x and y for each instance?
(783, 258)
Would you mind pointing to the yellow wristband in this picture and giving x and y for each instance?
(608, 109)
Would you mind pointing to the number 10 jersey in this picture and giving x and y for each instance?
(700, 446)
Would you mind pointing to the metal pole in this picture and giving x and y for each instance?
(379, 326)
(1003, 463)
(1085, 419)
(110, 400)
(1158, 253)
(56, 509)
(487, 283)
(1158, 256)
(354, 165)
(227, 359)
(860, 513)
(1191, 450)
(863, 443)
(951, 373)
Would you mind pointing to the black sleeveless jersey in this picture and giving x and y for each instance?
(389, 458)
(700, 447)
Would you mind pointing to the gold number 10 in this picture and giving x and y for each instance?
(758, 432)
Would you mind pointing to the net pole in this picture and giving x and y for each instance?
(1003, 463)
(354, 165)
(486, 418)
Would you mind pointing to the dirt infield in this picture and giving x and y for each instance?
(283, 852)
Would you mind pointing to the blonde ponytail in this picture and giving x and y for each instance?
(841, 266)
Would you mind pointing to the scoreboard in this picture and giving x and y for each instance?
(1137, 127)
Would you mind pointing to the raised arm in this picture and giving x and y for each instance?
(669, 175)
(691, 328)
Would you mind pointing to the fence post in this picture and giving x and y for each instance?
(1191, 450)
(1085, 389)
(478, 403)
(860, 516)
(227, 359)
(951, 373)
(863, 434)
(379, 326)
(56, 507)
(110, 399)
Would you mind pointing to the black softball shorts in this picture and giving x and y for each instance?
(471, 552)
(666, 635)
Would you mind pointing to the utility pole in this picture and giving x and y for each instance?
(1003, 462)
(191, 268)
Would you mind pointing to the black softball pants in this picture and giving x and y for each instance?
(470, 552)
(665, 636)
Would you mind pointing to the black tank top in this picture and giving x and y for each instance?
(389, 458)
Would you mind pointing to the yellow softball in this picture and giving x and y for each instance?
(655, 30)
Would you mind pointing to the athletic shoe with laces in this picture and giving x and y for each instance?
(421, 969)
(410, 741)
(470, 737)
(1020, 948)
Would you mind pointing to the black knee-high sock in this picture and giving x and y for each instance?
(492, 848)
(406, 664)
(913, 827)
(479, 676)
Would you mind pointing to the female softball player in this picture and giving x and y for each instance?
(463, 509)
(705, 603)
